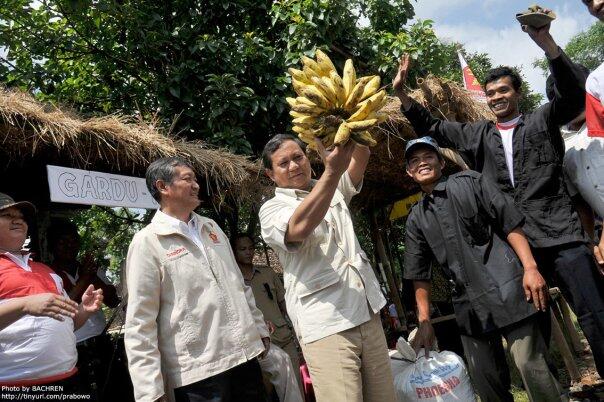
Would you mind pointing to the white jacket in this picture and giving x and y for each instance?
(189, 317)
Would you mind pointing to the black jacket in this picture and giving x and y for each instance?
(463, 225)
(538, 150)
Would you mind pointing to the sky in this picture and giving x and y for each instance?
(490, 26)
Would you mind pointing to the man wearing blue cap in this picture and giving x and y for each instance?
(467, 225)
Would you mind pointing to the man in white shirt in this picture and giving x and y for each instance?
(594, 115)
(192, 327)
(583, 171)
(332, 295)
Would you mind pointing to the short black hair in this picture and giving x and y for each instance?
(550, 84)
(503, 71)
(238, 236)
(163, 169)
(274, 143)
(59, 228)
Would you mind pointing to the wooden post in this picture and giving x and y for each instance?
(570, 327)
(383, 256)
(564, 350)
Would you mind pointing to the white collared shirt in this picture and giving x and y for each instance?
(190, 228)
(584, 167)
(329, 282)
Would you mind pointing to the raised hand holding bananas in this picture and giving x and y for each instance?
(331, 108)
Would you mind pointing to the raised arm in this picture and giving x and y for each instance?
(309, 214)
(459, 136)
(569, 99)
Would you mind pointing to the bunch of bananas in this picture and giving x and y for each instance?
(333, 108)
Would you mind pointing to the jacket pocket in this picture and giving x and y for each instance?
(475, 229)
(317, 283)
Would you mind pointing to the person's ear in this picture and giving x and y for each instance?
(270, 174)
(442, 163)
(408, 172)
(161, 186)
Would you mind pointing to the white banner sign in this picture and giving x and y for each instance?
(75, 186)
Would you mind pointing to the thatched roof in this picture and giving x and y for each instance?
(386, 180)
(33, 134)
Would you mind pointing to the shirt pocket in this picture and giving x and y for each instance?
(319, 282)
(539, 150)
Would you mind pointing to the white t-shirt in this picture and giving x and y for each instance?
(507, 134)
(94, 325)
(584, 167)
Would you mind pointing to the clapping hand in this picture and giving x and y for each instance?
(92, 299)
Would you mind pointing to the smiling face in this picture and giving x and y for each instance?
(243, 248)
(596, 8)
(424, 165)
(291, 167)
(502, 98)
(183, 191)
(13, 229)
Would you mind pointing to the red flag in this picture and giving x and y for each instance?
(470, 82)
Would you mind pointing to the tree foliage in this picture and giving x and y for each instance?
(586, 48)
(217, 67)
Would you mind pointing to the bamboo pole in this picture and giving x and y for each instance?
(383, 256)
(564, 350)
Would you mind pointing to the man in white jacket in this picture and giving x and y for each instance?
(193, 332)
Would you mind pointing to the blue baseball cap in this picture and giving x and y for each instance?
(429, 141)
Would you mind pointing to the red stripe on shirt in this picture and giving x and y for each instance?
(40, 381)
(18, 282)
(594, 116)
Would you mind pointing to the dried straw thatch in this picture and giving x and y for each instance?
(33, 133)
(386, 179)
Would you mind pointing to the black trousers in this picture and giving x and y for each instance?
(241, 383)
(572, 268)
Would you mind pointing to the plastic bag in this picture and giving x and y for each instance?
(442, 377)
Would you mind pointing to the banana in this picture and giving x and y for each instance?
(362, 112)
(305, 121)
(361, 125)
(371, 88)
(310, 63)
(298, 86)
(310, 110)
(327, 92)
(364, 138)
(325, 63)
(356, 94)
(315, 96)
(309, 73)
(342, 135)
(291, 101)
(379, 100)
(338, 84)
(304, 101)
(298, 75)
(349, 77)
(295, 115)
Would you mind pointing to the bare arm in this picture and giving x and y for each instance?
(425, 332)
(309, 214)
(44, 304)
(534, 285)
(358, 164)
